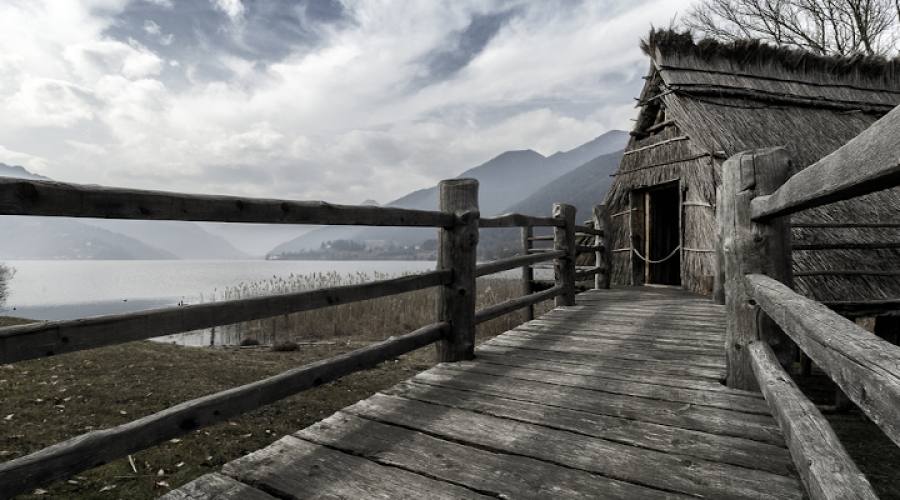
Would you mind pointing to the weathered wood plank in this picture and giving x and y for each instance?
(612, 372)
(824, 465)
(216, 487)
(457, 247)
(626, 463)
(627, 337)
(48, 198)
(564, 240)
(669, 439)
(615, 343)
(36, 340)
(866, 367)
(658, 356)
(516, 220)
(511, 305)
(501, 475)
(603, 256)
(684, 415)
(295, 468)
(603, 360)
(98, 447)
(733, 402)
(869, 162)
(514, 262)
(588, 230)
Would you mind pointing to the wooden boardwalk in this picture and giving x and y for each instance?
(617, 397)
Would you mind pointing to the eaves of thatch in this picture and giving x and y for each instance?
(705, 101)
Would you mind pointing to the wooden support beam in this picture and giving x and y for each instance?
(540, 238)
(47, 198)
(603, 256)
(564, 235)
(35, 340)
(864, 366)
(824, 466)
(516, 220)
(506, 307)
(867, 163)
(527, 271)
(95, 448)
(588, 230)
(516, 261)
(457, 253)
(751, 248)
(718, 294)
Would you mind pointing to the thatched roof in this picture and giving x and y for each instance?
(723, 98)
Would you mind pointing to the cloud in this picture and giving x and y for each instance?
(316, 99)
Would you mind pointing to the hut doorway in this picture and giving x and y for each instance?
(658, 239)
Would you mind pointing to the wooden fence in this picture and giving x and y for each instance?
(766, 319)
(453, 332)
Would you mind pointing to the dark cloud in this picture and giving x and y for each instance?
(195, 32)
(463, 46)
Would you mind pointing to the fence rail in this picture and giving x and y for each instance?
(767, 319)
(457, 221)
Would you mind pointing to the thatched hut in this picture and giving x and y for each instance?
(705, 101)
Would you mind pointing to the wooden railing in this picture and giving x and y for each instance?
(453, 332)
(766, 319)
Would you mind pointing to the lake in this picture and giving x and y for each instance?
(68, 289)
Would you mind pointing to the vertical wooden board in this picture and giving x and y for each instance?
(626, 463)
(564, 239)
(498, 474)
(216, 487)
(294, 468)
(527, 271)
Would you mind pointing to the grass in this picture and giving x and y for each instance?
(48, 400)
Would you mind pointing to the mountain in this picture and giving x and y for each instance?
(54, 238)
(504, 180)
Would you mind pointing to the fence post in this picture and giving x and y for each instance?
(602, 258)
(718, 294)
(527, 270)
(751, 248)
(564, 267)
(457, 248)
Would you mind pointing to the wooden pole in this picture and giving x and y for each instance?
(457, 246)
(527, 271)
(751, 248)
(719, 278)
(603, 256)
(564, 267)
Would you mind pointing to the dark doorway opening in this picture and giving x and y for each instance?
(663, 213)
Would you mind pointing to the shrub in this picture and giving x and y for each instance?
(285, 346)
(249, 342)
(6, 274)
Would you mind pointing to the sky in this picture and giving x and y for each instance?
(338, 100)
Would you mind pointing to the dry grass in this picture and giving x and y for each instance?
(48, 400)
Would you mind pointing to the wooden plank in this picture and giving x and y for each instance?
(215, 486)
(734, 402)
(866, 367)
(516, 220)
(848, 272)
(869, 162)
(611, 372)
(514, 262)
(98, 447)
(636, 322)
(588, 230)
(527, 271)
(684, 415)
(713, 447)
(48, 338)
(612, 334)
(659, 356)
(847, 245)
(503, 475)
(457, 249)
(626, 343)
(295, 468)
(592, 359)
(48, 198)
(626, 463)
(824, 465)
(506, 307)
(603, 256)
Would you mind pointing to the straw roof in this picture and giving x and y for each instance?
(705, 101)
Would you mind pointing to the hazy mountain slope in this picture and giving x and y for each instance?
(504, 180)
(158, 239)
(64, 238)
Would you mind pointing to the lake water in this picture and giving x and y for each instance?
(68, 289)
